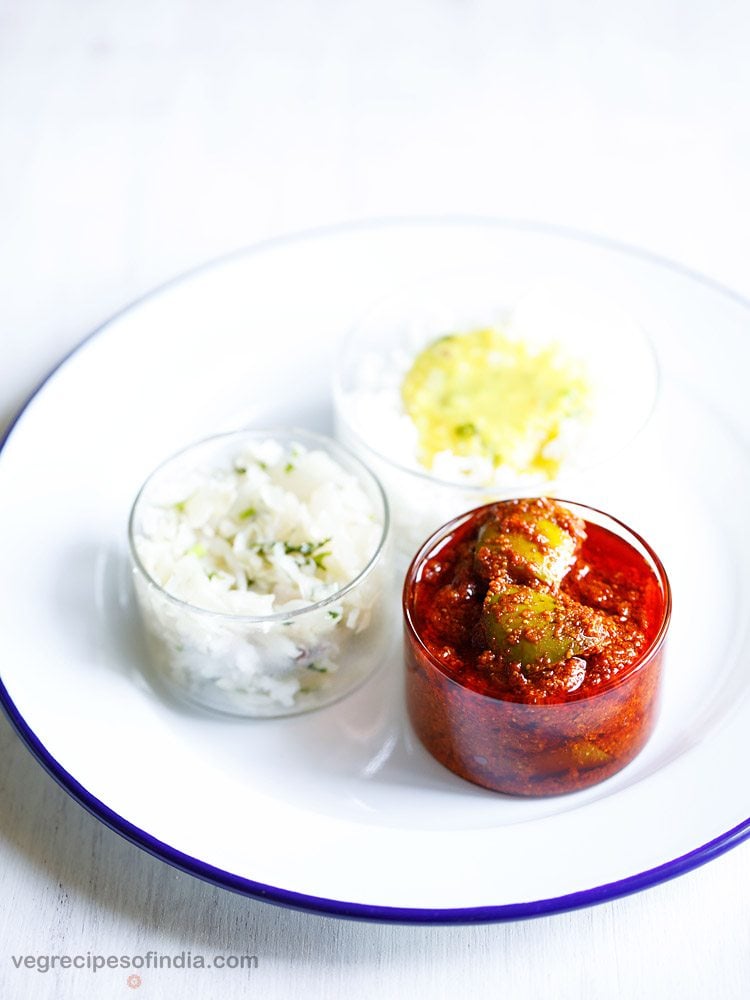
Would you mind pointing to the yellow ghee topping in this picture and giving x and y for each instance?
(486, 395)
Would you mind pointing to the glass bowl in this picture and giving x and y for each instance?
(594, 335)
(312, 626)
(497, 739)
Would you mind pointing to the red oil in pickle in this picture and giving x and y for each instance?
(487, 733)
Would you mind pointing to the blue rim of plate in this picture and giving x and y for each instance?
(341, 908)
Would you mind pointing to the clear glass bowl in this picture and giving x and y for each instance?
(522, 748)
(592, 331)
(284, 662)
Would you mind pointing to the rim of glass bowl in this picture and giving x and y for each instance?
(342, 409)
(455, 523)
(273, 433)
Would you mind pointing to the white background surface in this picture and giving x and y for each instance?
(138, 139)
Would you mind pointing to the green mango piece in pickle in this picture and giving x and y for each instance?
(587, 754)
(535, 628)
(497, 550)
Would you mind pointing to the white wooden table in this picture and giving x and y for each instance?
(139, 139)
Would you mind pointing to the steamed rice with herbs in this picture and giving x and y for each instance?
(276, 533)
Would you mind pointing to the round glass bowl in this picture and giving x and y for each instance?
(545, 747)
(589, 335)
(261, 572)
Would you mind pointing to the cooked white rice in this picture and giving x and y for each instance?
(371, 418)
(272, 531)
(375, 412)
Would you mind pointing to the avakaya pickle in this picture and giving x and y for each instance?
(534, 642)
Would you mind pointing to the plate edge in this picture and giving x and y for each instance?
(288, 898)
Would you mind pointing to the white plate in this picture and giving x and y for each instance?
(342, 811)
